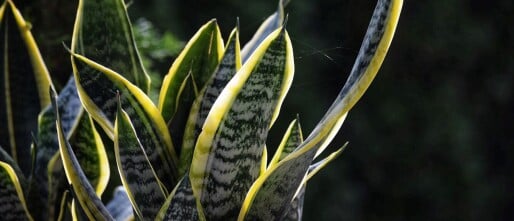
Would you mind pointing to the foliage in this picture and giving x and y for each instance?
(198, 154)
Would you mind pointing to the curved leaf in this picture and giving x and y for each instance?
(83, 191)
(271, 193)
(101, 102)
(12, 201)
(291, 140)
(272, 23)
(24, 84)
(230, 63)
(181, 204)
(199, 58)
(143, 187)
(228, 152)
(103, 33)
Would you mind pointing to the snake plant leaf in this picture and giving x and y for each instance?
(12, 202)
(56, 188)
(5, 157)
(116, 47)
(291, 140)
(181, 204)
(82, 189)
(230, 63)
(150, 127)
(144, 188)
(272, 23)
(119, 206)
(270, 195)
(295, 210)
(227, 156)
(24, 87)
(199, 58)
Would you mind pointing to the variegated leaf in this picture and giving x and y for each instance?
(104, 34)
(12, 202)
(5, 157)
(295, 210)
(144, 188)
(272, 192)
(101, 102)
(291, 140)
(227, 156)
(199, 59)
(83, 191)
(229, 65)
(119, 206)
(181, 204)
(24, 87)
(272, 23)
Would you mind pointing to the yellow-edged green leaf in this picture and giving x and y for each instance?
(83, 191)
(119, 206)
(227, 156)
(272, 23)
(229, 65)
(291, 140)
(104, 34)
(181, 204)
(270, 195)
(5, 157)
(101, 102)
(199, 58)
(144, 188)
(24, 84)
(12, 202)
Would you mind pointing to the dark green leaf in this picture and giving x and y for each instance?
(199, 59)
(143, 187)
(103, 33)
(227, 157)
(181, 204)
(12, 201)
(229, 65)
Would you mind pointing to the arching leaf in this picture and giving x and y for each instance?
(12, 202)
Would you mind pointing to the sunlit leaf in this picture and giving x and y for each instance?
(272, 192)
(227, 156)
(229, 65)
(12, 202)
(119, 206)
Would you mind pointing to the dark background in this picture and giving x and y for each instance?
(432, 139)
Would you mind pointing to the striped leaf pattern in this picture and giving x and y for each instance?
(12, 201)
(272, 23)
(103, 33)
(199, 59)
(272, 192)
(290, 141)
(228, 153)
(137, 174)
(229, 65)
(181, 204)
(24, 85)
(83, 191)
(150, 127)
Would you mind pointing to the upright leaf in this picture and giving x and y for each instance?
(24, 84)
(199, 59)
(143, 187)
(104, 34)
(119, 206)
(230, 63)
(12, 201)
(84, 193)
(101, 102)
(279, 184)
(291, 140)
(181, 204)
(272, 23)
(228, 152)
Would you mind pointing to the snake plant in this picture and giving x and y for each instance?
(197, 153)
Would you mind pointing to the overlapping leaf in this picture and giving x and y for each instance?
(227, 156)
(198, 59)
(24, 87)
(229, 65)
(119, 206)
(103, 33)
(12, 202)
(144, 188)
(272, 192)
(181, 204)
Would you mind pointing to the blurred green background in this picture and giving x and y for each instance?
(432, 139)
